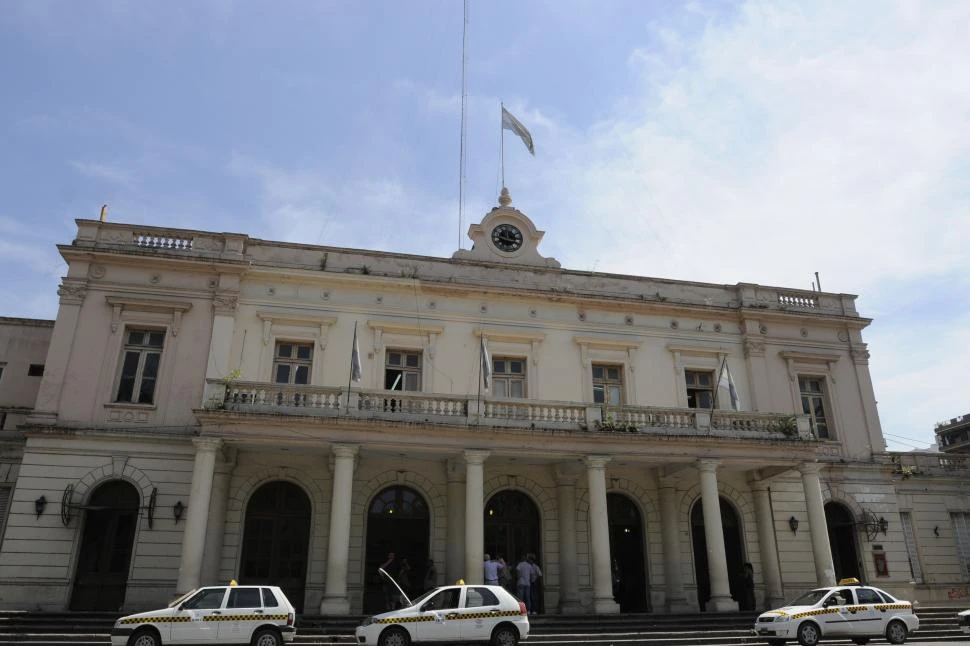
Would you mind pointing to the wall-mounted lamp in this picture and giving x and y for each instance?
(40, 505)
(936, 530)
(883, 525)
(793, 525)
(177, 510)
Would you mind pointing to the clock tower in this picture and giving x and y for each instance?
(506, 235)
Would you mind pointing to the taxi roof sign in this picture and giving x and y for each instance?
(849, 581)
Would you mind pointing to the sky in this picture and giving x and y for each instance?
(711, 141)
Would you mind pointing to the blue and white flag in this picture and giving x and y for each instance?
(486, 365)
(355, 359)
(509, 122)
(727, 391)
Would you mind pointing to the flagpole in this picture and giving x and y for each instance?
(501, 134)
(351, 375)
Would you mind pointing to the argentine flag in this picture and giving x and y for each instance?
(726, 390)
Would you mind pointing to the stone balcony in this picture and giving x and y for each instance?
(471, 411)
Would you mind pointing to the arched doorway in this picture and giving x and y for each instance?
(110, 519)
(842, 541)
(733, 550)
(398, 521)
(626, 553)
(512, 531)
(276, 539)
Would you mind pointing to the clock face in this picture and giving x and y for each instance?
(507, 237)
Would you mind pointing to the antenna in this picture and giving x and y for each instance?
(818, 282)
(462, 135)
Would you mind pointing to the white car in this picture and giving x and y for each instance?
(451, 614)
(848, 610)
(963, 618)
(260, 615)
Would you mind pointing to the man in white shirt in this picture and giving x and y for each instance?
(491, 570)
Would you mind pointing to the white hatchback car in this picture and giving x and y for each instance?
(451, 614)
(848, 610)
(260, 615)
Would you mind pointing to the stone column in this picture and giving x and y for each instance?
(218, 502)
(770, 571)
(455, 554)
(475, 516)
(569, 591)
(197, 515)
(720, 600)
(673, 577)
(599, 537)
(821, 550)
(335, 600)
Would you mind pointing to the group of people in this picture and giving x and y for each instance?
(400, 569)
(521, 580)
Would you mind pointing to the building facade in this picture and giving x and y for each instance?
(198, 420)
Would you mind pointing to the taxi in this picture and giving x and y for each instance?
(848, 610)
(260, 615)
(452, 614)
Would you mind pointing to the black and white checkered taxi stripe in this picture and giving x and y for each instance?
(185, 618)
(466, 615)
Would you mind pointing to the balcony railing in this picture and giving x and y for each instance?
(262, 397)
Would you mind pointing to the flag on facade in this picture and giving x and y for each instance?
(355, 359)
(509, 122)
(727, 391)
(486, 365)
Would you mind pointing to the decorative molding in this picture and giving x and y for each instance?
(321, 323)
(72, 291)
(122, 304)
(600, 343)
(754, 347)
(510, 336)
(225, 303)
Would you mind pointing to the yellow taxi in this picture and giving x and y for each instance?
(451, 614)
(847, 610)
(260, 615)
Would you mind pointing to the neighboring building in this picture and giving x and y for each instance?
(954, 436)
(194, 424)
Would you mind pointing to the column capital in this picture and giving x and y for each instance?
(596, 461)
(708, 465)
(810, 468)
(566, 474)
(344, 450)
(476, 456)
(207, 444)
(455, 470)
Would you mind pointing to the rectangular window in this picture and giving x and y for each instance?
(508, 377)
(961, 528)
(813, 403)
(139, 366)
(402, 370)
(910, 537)
(700, 388)
(607, 384)
(292, 363)
(35, 370)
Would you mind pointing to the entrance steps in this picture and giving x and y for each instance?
(937, 624)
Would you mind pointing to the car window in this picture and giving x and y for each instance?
(478, 597)
(867, 595)
(243, 598)
(840, 597)
(885, 597)
(206, 599)
(444, 600)
(269, 599)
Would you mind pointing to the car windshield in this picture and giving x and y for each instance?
(182, 597)
(420, 600)
(809, 598)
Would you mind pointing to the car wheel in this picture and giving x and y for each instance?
(266, 637)
(394, 637)
(896, 632)
(862, 641)
(808, 634)
(145, 637)
(505, 636)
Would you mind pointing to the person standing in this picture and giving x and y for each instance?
(430, 576)
(535, 585)
(523, 573)
(491, 570)
(390, 592)
(747, 588)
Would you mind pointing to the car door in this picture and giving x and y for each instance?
(438, 619)
(839, 619)
(193, 621)
(480, 613)
(868, 619)
(243, 613)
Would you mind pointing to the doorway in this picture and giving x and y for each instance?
(110, 520)
(512, 531)
(276, 538)
(733, 550)
(398, 521)
(842, 541)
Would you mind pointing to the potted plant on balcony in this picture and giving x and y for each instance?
(609, 423)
